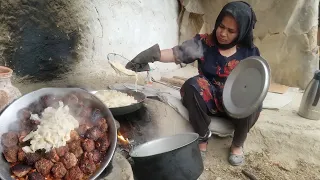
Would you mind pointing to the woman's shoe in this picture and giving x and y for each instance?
(203, 151)
(236, 160)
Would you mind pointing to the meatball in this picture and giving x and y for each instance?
(24, 114)
(22, 135)
(9, 139)
(47, 100)
(102, 124)
(86, 111)
(74, 174)
(75, 148)
(32, 158)
(77, 151)
(58, 170)
(61, 151)
(70, 99)
(20, 170)
(74, 144)
(94, 133)
(21, 155)
(35, 176)
(11, 154)
(87, 165)
(103, 143)
(74, 135)
(83, 129)
(88, 145)
(53, 155)
(36, 107)
(44, 166)
(96, 156)
(69, 160)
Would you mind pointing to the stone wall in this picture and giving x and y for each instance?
(286, 33)
(66, 42)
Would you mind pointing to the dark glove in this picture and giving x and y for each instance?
(140, 62)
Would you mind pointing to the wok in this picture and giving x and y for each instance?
(139, 96)
(9, 121)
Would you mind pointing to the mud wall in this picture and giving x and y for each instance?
(286, 33)
(65, 42)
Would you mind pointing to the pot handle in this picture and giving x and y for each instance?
(317, 97)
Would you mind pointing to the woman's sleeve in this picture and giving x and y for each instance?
(256, 52)
(188, 51)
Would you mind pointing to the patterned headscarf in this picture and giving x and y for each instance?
(246, 19)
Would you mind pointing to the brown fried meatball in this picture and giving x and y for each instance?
(74, 173)
(47, 100)
(74, 144)
(70, 99)
(94, 133)
(74, 136)
(86, 111)
(44, 166)
(20, 170)
(87, 165)
(21, 155)
(11, 154)
(88, 145)
(36, 107)
(58, 170)
(61, 151)
(24, 114)
(35, 176)
(69, 160)
(83, 129)
(102, 124)
(22, 135)
(103, 143)
(52, 156)
(9, 139)
(75, 148)
(77, 151)
(32, 158)
(96, 156)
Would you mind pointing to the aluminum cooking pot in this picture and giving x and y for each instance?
(9, 121)
(174, 157)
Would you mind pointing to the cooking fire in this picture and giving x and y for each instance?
(123, 140)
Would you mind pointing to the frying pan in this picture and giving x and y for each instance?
(139, 96)
(9, 121)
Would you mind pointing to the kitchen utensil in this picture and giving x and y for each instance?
(139, 96)
(9, 121)
(246, 87)
(310, 105)
(174, 157)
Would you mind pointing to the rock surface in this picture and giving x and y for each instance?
(286, 33)
(59, 43)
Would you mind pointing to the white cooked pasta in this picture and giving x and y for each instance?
(113, 98)
(53, 131)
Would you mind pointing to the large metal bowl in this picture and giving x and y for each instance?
(9, 121)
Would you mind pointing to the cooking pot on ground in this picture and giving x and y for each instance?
(174, 157)
(9, 121)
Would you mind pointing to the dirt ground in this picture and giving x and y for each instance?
(281, 146)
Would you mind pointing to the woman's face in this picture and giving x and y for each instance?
(227, 31)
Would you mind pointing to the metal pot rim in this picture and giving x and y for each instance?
(137, 152)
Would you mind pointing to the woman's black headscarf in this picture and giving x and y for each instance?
(246, 20)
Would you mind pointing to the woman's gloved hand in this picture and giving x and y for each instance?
(140, 62)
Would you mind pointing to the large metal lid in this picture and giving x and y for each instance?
(246, 87)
